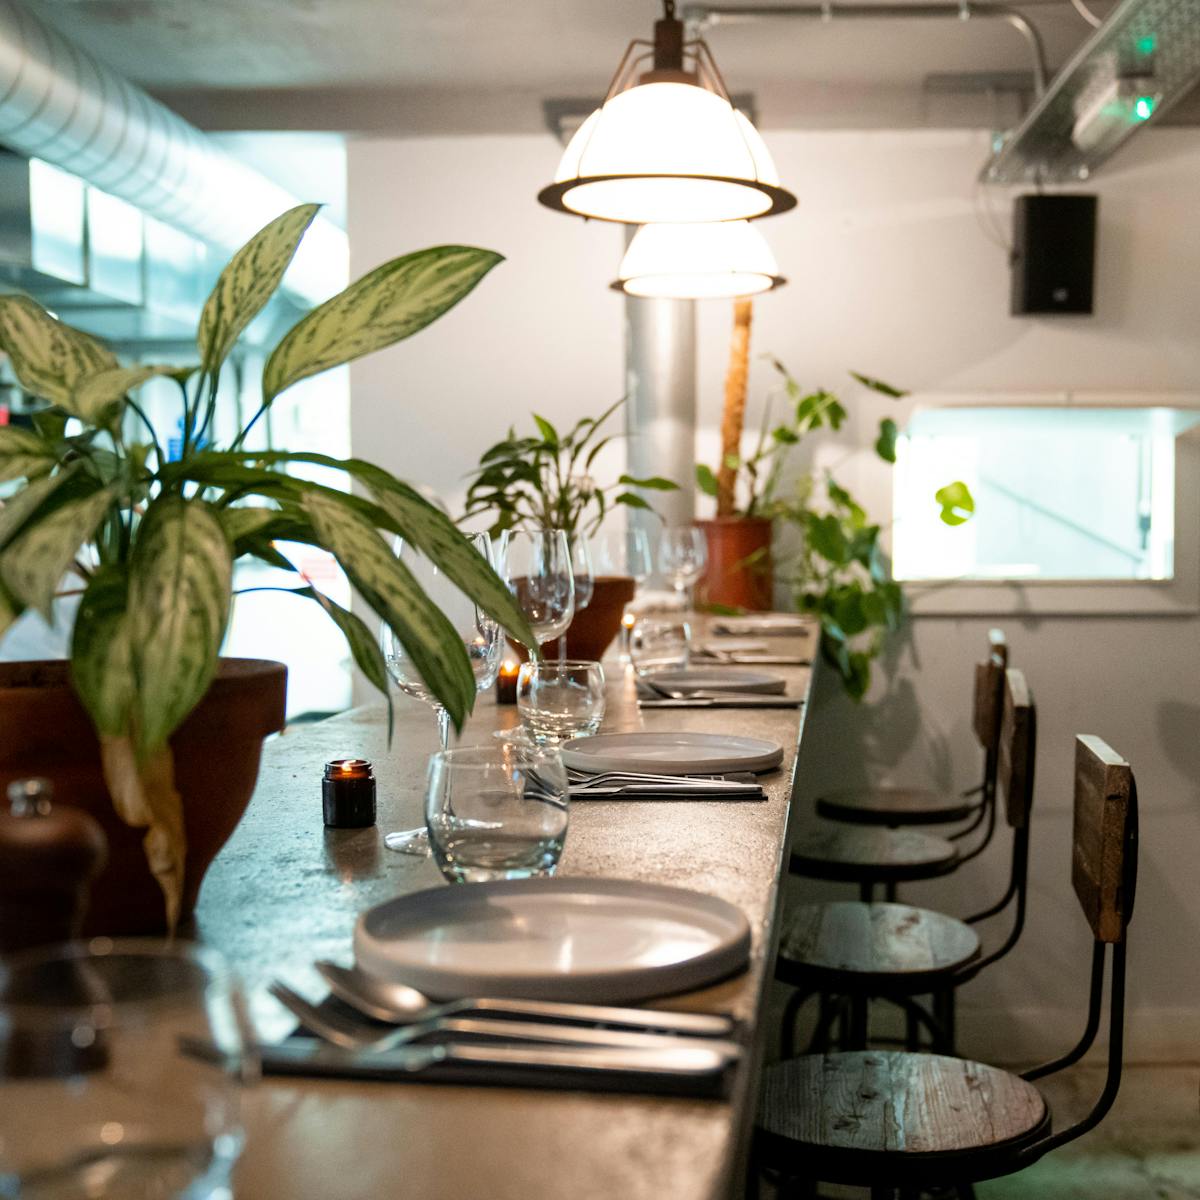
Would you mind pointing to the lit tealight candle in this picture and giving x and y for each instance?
(348, 793)
(628, 621)
(506, 682)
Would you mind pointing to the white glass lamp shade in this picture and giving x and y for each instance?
(698, 262)
(667, 152)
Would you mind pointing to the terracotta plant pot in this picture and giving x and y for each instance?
(217, 749)
(593, 629)
(739, 572)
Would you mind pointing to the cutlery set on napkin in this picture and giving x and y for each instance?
(362, 1032)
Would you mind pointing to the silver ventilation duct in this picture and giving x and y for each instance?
(59, 104)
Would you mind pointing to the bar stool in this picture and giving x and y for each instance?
(889, 1120)
(858, 950)
(872, 855)
(895, 806)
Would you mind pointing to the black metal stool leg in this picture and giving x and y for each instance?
(791, 1015)
(858, 1031)
(866, 892)
(889, 892)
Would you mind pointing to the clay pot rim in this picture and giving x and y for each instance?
(45, 674)
(734, 521)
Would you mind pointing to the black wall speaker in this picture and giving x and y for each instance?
(1054, 254)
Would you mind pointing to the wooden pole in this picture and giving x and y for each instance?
(734, 415)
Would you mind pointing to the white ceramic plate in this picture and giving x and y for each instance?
(604, 941)
(671, 753)
(721, 679)
(764, 625)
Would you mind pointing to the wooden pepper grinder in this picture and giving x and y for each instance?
(48, 858)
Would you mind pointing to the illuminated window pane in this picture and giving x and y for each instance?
(1060, 493)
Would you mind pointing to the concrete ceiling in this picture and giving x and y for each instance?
(486, 65)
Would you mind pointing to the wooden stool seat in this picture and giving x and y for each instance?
(896, 806)
(871, 854)
(880, 1117)
(847, 946)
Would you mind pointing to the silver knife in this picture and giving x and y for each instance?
(729, 701)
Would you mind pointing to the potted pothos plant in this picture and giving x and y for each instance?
(150, 543)
(545, 481)
(839, 573)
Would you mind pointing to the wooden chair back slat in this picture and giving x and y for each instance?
(1104, 841)
(1017, 749)
(989, 692)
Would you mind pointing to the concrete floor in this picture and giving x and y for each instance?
(1148, 1148)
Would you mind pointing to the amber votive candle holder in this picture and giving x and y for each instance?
(348, 794)
(506, 682)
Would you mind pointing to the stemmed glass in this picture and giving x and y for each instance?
(584, 579)
(683, 555)
(622, 553)
(540, 572)
(482, 637)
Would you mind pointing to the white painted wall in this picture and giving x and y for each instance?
(891, 274)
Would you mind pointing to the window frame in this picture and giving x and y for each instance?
(1178, 596)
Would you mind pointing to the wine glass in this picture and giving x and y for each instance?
(481, 636)
(539, 571)
(584, 579)
(683, 555)
(620, 553)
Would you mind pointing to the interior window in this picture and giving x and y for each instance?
(1061, 493)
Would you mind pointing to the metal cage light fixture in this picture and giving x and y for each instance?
(667, 145)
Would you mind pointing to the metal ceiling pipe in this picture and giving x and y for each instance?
(60, 104)
(660, 412)
(701, 16)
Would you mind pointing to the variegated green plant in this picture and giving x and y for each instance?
(153, 542)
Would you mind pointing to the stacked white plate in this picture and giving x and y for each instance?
(664, 753)
(603, 941)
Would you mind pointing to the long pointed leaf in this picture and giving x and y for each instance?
(50, 359)
(433, 644)
(408, 513)
(102, 653)
(10, 610)
(390, 303)
(23, 454)
(179, 592)
(96, 397)
(144, 794)
(248, 282)
(23, 504)
(33, 562)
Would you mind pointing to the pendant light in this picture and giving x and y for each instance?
(698, 262)
(667, 145)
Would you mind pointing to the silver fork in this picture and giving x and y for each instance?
(349, 1034)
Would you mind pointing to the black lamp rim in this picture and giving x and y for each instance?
(552, 195)
(777, 281)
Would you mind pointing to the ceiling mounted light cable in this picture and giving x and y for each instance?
(698, 262)
(667, 145)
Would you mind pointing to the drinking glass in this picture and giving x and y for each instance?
(660, 646)
(682, 555)
(584, 581)
(560, 700)
(497, 812)
(482, 637)
(622, 553)
(121, 1065)
(539, 572)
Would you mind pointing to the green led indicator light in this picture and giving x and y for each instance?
(1146, 44)
(1143, 108)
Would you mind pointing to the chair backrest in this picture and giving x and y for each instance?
(1104, 844)
(989, 692)
(1017, 749)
